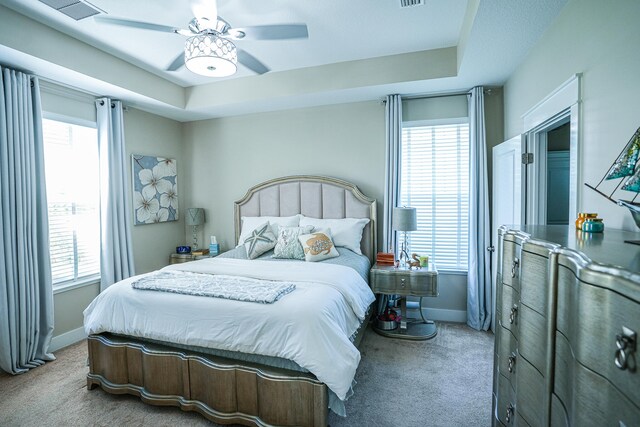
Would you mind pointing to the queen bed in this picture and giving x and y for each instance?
(239, 361)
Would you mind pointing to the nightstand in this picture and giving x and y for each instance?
(179, 258)
(423, 282)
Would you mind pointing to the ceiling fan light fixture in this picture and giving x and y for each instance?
(209, 55)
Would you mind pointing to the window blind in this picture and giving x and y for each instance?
(435, 181)
(73, 198)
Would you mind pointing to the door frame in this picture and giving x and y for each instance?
(559, 107)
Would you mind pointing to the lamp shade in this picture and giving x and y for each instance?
(209, 55)
(195, 216)
(404, 219)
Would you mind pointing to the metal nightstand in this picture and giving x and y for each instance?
(423, 282)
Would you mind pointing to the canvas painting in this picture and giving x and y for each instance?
(155, 189)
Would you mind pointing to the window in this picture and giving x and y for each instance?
(435, 180)
(73, 197)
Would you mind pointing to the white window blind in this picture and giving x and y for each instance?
(73, 197)
(435, 180)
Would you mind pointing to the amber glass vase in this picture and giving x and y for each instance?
(582, 217)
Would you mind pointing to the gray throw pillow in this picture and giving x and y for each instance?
(260, 241)
(288, 246)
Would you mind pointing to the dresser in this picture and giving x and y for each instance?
(567, 323)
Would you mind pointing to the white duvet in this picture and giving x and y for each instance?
(310, 326)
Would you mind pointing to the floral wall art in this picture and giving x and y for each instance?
(155, 189)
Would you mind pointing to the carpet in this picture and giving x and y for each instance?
(445, 381)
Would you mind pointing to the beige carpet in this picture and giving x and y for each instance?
(442, 382)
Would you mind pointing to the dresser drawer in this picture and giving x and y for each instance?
(404, 283)
(505, 402)
(563, 380)
(509, 309)
(511, 263)
(597, 403)
(507, 354)
(601, 316)
(531, 391)
(532, 334)
(558, 413)
(534, 275)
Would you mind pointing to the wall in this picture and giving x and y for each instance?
(229, 155)
(600, 40)
(145, 134)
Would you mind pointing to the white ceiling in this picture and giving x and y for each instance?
(491, 42)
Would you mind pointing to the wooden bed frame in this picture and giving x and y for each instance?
(224, 390)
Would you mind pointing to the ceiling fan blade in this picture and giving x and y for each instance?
(177, 63)
(251, 62)
(136, 24)
(269, 32)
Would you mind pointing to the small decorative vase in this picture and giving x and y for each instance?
(582, 217)
(593, 225)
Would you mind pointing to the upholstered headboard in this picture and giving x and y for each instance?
(312, 196)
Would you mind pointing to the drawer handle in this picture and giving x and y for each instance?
(513, 314)
(514, 267)
(626, 345)
(402, 283)
(510, 409)
(512, 362)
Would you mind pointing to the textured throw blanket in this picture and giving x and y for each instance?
(215, 285)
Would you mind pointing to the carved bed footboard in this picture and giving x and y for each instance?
(222, 390)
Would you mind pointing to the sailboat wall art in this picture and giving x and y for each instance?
(626, 168)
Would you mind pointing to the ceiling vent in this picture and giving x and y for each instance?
(73, 8)
(411, 3)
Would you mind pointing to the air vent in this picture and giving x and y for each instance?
(72, 8)
(411, 3)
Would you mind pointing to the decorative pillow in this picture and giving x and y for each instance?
(249, 223)
(288, 246)
(346, 232)
(260, 241)
(318, 246)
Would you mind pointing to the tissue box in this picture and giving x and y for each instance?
(214, 249)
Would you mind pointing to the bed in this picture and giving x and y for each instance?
(250, 383)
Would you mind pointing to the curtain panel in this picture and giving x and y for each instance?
(393, 123)
(116, 254)
(26, 294)
(479, 275)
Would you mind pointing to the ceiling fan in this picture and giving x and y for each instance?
(210, 49)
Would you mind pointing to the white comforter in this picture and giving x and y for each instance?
(310, 326)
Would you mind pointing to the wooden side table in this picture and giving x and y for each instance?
(389, 280)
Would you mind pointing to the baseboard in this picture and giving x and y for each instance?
(67, 338)
(444, 315)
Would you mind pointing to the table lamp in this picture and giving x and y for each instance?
(195, 217)
(405, 220)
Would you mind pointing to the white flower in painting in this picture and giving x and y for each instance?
(170, 198)
(153, 178)
(146, 204)
(166, 167)
(161, 216)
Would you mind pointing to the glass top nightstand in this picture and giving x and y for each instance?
(423, 282)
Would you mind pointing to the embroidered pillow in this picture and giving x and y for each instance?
(260, 241)
(288, 246)
(318, 246)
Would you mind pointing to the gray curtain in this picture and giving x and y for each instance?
(116, 255)
(393, 121)
(26, 295)
(479, 276)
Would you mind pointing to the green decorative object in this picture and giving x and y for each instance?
(626, 163)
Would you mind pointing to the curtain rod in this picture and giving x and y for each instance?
(438, 95)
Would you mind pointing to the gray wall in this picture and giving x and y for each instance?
(145, 134)
(600, 40)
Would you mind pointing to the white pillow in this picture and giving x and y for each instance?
(318, 246)
(346, 232)
(249, 223)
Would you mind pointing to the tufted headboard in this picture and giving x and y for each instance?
(312, 196)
